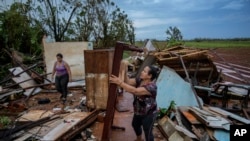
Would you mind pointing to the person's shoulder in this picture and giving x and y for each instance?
(65, 63)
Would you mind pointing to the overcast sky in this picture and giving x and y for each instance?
(194, 18)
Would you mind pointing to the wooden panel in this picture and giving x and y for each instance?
(101, 91)
(22, 77)
(90, 90)
(98, 65)
(189, 116)
(97, 90)
(35, 115)
(72, 120)
(98, 61)
(174, 132)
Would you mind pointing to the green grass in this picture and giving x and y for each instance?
(202, 44)
(217, 44)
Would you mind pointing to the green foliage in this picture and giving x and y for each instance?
(174, 36)
(55, 17)
(4, 70)
(166, 111)
(107, 26)
(17, 32)
(5, 121)
(100, 21)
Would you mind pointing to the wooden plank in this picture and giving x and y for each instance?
(39, 131)
(98, 61)
(97, 76)
(34, 115)
(24, 137)
(24, 76)
(245, 113)
(101, 90)
(118, 54)
(210, 120)
(231, 115)
(90, 90)
(68, 123)
(194, 55)
(10, 93)
(174, 132)
(112, 92)
(190, 117)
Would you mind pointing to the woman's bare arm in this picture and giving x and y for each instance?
(53, 71)
(129, 88)
(69, 71)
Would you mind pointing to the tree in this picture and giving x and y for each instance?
(55, 16)
(16, 31)
(100, 21)
(174, 36)
(104, 23)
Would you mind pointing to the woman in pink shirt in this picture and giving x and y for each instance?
(63, 76)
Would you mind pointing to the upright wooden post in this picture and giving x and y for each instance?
(112, 92)
(118, 54)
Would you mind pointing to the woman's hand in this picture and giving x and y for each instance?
(114, 79)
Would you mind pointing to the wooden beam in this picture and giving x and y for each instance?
(118, 54)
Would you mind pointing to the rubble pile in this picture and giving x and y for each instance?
(31, 108)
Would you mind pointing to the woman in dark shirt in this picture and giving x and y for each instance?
(145, 108)
(63, 76)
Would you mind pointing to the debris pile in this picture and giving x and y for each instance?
(195, 64)
(188, 78)
(191, 123)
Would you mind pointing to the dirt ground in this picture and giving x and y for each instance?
(239, 56)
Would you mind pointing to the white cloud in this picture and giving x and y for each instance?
(234, 5)
(143, 19)
(148, 22)
(134, 14)
(150, 17)
(150, 33)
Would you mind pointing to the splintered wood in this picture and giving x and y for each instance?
(63, 127)
(22, 77)
(198, 63)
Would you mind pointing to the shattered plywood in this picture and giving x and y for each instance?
(174, 132)
(21, 78)
(72, 54)
(60, 127)
(34, 115)
(197, 61)
(67, 123)
(228, 114)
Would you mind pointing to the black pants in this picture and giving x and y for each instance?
(62, 84)
(145, 121)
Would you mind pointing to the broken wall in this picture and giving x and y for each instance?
(72, 54)
(98, 68)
